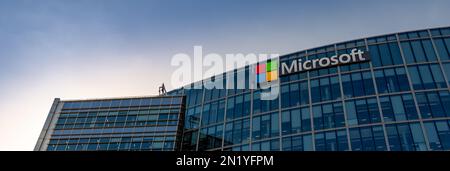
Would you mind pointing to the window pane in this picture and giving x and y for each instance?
(442, 48)
(358, 87)
(418, 51)
(438, 77)
(429, 50)
(415, 78)
(427, 78)
(445, 99)
(318, 120)
(347, 86)
(368, 83)
(286, 122)
(402, 79)
(315, 91)
(386, 107)
(355, 139)
(419, 141)
(351, 113)
(304, 93)
(446, 67)
(395, 52)
(386, 58)
(376, 59)
(405, 137)
(444, 133)
(274, 130)
(306, 119)
(410, 107)
(435, 104)
(432, 135)
(399, 112)
(296, 121)
(407, 52)
(325, 92)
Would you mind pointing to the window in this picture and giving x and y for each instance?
(328, 116)
(398, 108)
(443, 48)
(418, 51)
(297, 143)
(438, 134)
(166, 101)
(405, 137)
(114, 103)
(426, 77)
(246, 105)
(391, 80)
(319, 139)
(218, 93)
(210, 137)
(433, 138)
(358, 88)
(385, 54)
(207, 96)
(145, 102)
(304, 93)
(286, 122)
(175, 101)
(357, 84)
(265, 126)
(237, 132)
(221, 111)
(213, 112)
(271, 145)
(228, 138)
(194, 97)
(331, 141)
(230, 108)
(433, 104)
(294, 94)
(256, 102)
(125, 103)
(238, 111)
(325, 89)
(205, 114)
(292, 122)
(192, 117)
(446, 67)
(315, 91)
(368, 139)
(263, 105)
(285, 101)
(362, 111)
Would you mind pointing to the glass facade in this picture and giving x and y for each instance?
(399, 101)
(136, 124)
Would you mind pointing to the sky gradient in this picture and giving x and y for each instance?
(74, 49)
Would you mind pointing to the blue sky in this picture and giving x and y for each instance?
(107, 48)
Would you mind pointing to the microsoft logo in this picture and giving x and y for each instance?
(267, 72)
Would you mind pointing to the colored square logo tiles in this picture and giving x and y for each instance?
(261, 68)
(272, 75)
(267, 72)
(272, 66)
(261, 77)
